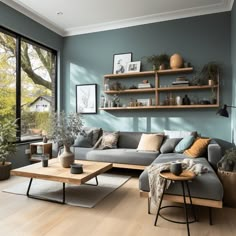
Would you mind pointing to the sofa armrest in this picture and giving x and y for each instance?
(214, 153)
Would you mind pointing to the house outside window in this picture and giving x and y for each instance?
(27, 83)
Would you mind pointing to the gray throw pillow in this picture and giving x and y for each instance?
(169, 145)
(96, 133)
(84, 139)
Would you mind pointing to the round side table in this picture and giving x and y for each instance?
(183, 179)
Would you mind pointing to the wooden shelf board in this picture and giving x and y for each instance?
(149, 73)
(175, 71)
(133, 74)
(148, 90)
(187, 87)
(160, 107)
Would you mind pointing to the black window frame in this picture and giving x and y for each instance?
(20, 38)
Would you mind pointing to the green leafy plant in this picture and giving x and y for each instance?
(158, 60)
(210, 71)
(7, 138)
(63, 128)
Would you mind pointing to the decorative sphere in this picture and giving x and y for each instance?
(176, 61)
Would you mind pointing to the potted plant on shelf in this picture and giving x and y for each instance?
(63, 129)
(210, 73)
(7, 146)
(159, 62)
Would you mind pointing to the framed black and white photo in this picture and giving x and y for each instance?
(86, 98)
(133, 66)
(120, 62)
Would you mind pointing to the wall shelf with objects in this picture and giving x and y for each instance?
(157, 90)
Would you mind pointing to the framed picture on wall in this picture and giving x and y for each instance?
(133, 66)
(120, 62)
(86, 98)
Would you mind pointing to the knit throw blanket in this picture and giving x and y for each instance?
(156, 183)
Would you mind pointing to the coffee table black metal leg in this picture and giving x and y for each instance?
(185, 207)
(159, 207)
(96, 178)
(44, 198)
(149, 205)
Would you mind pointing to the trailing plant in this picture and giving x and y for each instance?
(63, 128)
(7, 138)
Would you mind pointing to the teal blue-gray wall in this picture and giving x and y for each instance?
(198, 39)
(233, 59)
(17, 22)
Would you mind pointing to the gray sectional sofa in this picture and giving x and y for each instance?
(206, 189)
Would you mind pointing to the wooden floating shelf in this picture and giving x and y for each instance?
(187, 87)
(159, 107)
(148, 90)
(149, 73)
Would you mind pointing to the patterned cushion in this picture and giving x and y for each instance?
(150, 142)
(108, 140)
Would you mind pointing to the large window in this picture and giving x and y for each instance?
(27, 83)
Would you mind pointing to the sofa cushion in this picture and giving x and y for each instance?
(206, 186)
(123, 156)
(150, 142)
(84, 139)
(198, 148)
(129, 139)
(179, 133)
(108, 140)
(184, 144)
(169, 145)
(96, 133)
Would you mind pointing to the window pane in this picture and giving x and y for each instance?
(37, 93)
(7, 76)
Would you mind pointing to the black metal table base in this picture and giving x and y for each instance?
(49, 199)
(187, 222)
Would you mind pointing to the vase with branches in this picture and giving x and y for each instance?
(63, 129)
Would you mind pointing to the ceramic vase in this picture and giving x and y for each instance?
(67, 157)
(176, 61)
(178, 101)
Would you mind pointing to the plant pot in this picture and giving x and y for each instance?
(5, 170)
(67, 157)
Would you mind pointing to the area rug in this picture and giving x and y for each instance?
(82, 195)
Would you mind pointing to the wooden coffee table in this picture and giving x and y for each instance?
(54, 172)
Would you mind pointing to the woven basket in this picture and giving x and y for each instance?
(228, 180)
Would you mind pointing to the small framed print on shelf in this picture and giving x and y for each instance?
(86, 98)
(120, 62)
(133, 66)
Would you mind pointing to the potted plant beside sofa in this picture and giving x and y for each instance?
(7, 146)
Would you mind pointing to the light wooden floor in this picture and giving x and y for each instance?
(121, 213)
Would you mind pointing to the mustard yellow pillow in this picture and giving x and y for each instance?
(198, 148)
(150, 142)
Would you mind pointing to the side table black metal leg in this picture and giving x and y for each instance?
(191, 203)
(149, 205)
(185, 207)
(159, 207)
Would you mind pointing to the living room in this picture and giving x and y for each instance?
(84, 58)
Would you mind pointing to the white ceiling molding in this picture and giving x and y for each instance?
(34, 17)
(224, 5)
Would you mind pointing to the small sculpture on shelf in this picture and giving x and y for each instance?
(115, 101)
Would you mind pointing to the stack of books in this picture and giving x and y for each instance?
(144, 85)
(180, 83)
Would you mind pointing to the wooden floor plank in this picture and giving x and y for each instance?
(121, 213)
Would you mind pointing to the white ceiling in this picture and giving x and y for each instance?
(86, 16)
